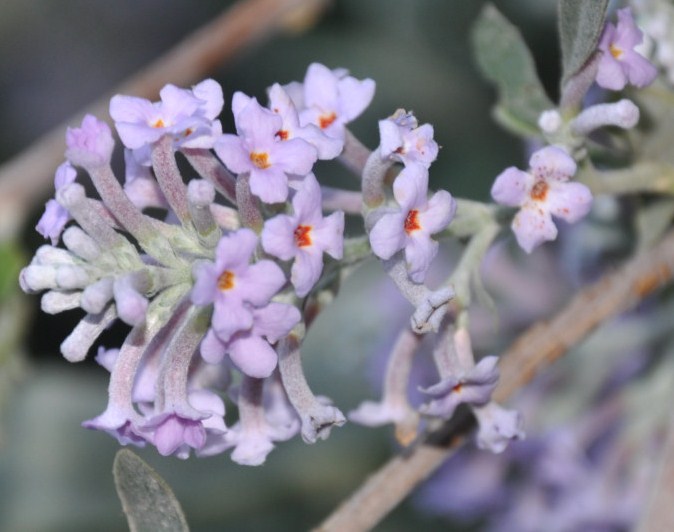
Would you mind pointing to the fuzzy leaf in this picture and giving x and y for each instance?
(505, 60)
(580, 25)
(147, 500)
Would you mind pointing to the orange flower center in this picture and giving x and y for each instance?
(303, 236)
(539, 191)
(226, 281)
(412, 222)
(282, 134)
(326, 120)
(260, 159)
(158, 123)
(615, 51)
(457, 388)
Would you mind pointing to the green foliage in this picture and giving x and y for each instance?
(505, 59)
(580, 25)
(147, 500)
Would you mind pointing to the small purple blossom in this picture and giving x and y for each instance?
(541, 193)
(304, 236)
(410, 227)
(331, 99)
(55, 217)
(187, 115)
(259, 149)
(402, 139)
(234, 285)
(620, 64)
(474, 387)
(91, 144)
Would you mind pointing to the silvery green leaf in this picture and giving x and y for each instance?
(505, 60)
(147, 500)
(580, 25)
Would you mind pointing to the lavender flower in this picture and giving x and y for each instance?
(543, 192)
(259, 150)
(410, 227)
(233, 285)
(330, 99)
(620, 64)
(304, 236)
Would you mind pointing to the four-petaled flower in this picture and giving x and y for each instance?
(331, 99)
(620, 63)
(259, 150)
(410, 228)
(304, 236)
(235, 286)
(541, 193)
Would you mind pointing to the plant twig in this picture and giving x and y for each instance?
(534, 350)
(26, 178)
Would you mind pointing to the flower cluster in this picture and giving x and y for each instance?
(202, 294)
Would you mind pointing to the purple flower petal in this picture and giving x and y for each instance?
(512, 186)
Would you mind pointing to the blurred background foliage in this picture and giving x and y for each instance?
(59, 56)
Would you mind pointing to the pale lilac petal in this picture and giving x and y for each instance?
(354, 97)
(627, 33)
(257, 125)
(410, 188)
(440, 211)
(328, 235)
(270, 185)
(210, 92)
(230, 317)
(177, 103)
(327, 147)
(320, 88)
(239, 102)
(278, 237)
(205, 284)
(390, 136)
(281, 104)
(294, 156)
(552, 163)
(233, 154)
(419, 252)
(262, 279)
(569, 201)
(235, 250)
(512, 186)
(307, 201)
(253, 356)
(212, 349)
(387, 236)
(640, 71)
(275, 320)
(295, 90)
(306, 271)
(533, 226)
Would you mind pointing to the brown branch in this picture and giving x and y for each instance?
(533, 351)
(27, 177)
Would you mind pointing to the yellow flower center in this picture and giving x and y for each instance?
(260, 159)
(226, 281)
